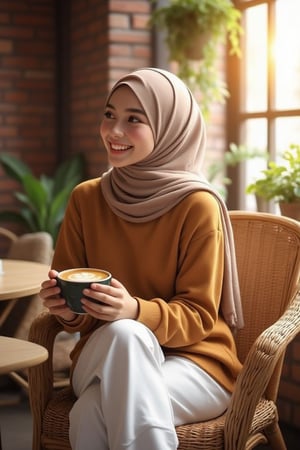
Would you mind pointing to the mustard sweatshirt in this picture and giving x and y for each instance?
(173, 265)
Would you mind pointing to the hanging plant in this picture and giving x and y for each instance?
(195, 29)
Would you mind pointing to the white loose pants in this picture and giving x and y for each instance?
(131, 397)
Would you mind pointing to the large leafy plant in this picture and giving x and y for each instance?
(43, 200)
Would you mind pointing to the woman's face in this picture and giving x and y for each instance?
(125, 129)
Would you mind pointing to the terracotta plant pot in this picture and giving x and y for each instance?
(290, 209)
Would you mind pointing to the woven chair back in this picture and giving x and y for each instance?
(268, 258)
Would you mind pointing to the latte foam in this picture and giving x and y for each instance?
(83, 275)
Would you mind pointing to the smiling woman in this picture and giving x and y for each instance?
(165, 235)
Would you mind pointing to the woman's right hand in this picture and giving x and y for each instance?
(50, 293)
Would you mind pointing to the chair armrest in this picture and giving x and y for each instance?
(256, 373)
(43, 331)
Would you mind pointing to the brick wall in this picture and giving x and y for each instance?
(88, 79)
(27, 86)
(107, 40)
(129, 37)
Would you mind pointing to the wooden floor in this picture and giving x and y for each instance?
(16, 425)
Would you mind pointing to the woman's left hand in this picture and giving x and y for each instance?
(112, 302)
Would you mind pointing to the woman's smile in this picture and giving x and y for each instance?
(119, 148)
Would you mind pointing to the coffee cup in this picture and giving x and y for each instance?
(73, 281)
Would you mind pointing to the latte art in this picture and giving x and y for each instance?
(85, 276)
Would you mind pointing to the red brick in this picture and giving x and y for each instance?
(130, 6)
(35, 48)
(16, 32)
(119, 49)
(10, 74)
(23, 119)
(23, 143)
(140, 21)
(142, 51)
(16, 97)
(35, 84)
(15, 6)
(32, 19)
(119, 21)
(4, 18)
(8, 131)
(5, 84)
(131, 36)
(21, 62)
(6, 46)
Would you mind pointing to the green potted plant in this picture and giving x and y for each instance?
(187, 21)
(281, 182)
(43, 200)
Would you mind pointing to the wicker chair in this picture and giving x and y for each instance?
(268, 255)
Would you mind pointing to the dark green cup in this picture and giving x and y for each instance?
(73, 281)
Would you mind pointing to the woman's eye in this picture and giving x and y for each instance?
(134, 119)
(108, 114)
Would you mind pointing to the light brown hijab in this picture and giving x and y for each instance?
(150, 188)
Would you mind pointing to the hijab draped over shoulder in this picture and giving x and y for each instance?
(173, 169)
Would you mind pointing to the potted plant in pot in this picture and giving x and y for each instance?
(281, 183)
(200, 25)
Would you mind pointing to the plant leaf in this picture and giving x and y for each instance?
(69, 173)
(13, 167)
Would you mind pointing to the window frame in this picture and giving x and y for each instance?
(237, 117)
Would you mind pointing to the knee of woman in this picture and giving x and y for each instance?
(128, 330)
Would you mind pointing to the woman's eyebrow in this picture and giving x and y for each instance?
(133, 110)
(136, 110)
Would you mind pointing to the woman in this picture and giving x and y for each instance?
(156, 349)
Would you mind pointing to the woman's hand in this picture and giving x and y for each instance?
(50, 293)
(113, 302)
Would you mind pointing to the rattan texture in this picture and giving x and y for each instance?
(268, 256)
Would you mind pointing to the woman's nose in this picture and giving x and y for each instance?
(117, 129)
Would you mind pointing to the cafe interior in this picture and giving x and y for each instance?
(58, 60)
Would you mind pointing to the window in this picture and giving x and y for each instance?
(264, 108)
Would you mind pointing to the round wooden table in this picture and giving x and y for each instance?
(21, 278)
(18, 354)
